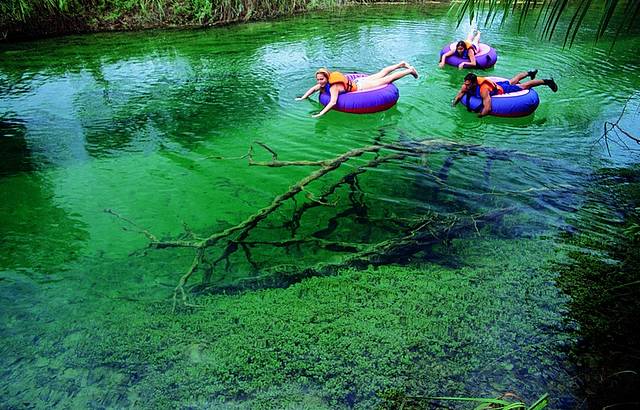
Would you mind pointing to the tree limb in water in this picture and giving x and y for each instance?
(414, 236)
(614, 128)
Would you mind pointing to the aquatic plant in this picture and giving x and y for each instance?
(340, 341)
(601, 275)
(507, 401)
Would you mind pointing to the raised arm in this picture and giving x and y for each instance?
(444, 57)
(333, 92)
(309, 92)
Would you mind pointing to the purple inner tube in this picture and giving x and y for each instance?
(366, 101)
(518, 104)
(485, 57)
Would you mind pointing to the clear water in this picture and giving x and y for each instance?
(137, 122)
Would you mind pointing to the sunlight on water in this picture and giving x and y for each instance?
(137, 123)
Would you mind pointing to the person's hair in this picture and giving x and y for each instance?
(471, 77)
(462, 44)
(324, 72)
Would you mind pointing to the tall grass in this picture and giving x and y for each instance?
(21, 16)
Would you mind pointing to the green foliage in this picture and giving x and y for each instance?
(621, 15)
(142, 13)
(498, 404)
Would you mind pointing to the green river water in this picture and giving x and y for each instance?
(137, 123)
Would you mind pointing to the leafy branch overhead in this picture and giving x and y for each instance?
(619, 15)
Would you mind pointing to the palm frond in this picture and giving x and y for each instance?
(551, 12)
(576, 21)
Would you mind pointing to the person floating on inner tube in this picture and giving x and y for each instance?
(336, 83)
(466, 49)
(485, 88)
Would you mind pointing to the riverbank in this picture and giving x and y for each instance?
(31, 19)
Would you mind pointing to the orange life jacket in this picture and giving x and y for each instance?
(483, 83)
(337, 77)
(489, 85)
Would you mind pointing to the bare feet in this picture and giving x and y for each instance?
(403, 64)
(412, 71)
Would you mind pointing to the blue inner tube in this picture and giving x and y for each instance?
(518, 104)
(366, 101)
(485, 57)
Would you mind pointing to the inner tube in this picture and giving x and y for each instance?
(365, 101)
(518, 104)
(485, 57)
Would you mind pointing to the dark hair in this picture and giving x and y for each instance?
(461, 43)
(471, 77)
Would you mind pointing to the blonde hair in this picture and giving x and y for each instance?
(324, 72)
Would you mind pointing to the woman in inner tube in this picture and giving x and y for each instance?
(465, 49)
(335, 83)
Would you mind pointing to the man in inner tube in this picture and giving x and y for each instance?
(336, 83)
(484, 88)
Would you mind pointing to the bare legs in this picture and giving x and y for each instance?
(525, 86)
(532, 83)
(385, 71)
(387, 75)
(476, 40)
(519, 77)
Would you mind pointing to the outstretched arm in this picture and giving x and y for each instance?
(333, 91)
(471, 62)
(459, 96)
(486, 103)
(309, 92)
(444, 57)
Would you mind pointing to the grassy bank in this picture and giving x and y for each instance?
(20, 19)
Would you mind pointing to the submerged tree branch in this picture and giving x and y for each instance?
(410, 235)
(612, 129)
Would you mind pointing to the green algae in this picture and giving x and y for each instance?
(327, 342)
(601, 276)
(86, 312)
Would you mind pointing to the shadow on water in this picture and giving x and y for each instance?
(601, 275)
(120, 112)
(36, 232)
(15, 153)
